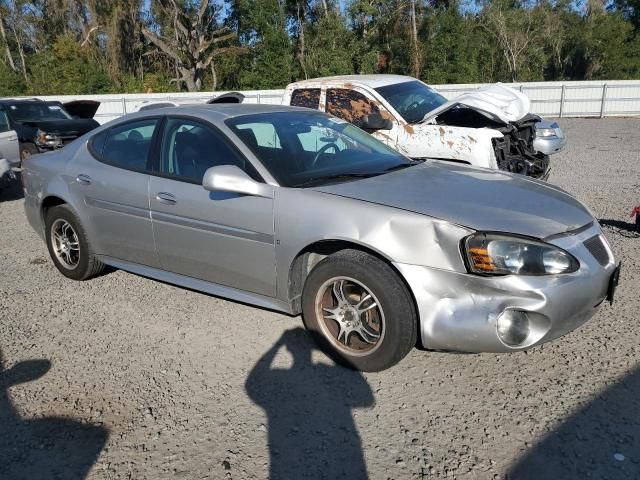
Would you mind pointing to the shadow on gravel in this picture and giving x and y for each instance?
(601, 440)
(619, 225)
(47, 447)
(13, 191)
(310, 428)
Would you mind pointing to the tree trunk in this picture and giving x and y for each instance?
(6, 43)
(415, 60)
(21, 52)
(214, 84)
(325, 8)
(301, 34)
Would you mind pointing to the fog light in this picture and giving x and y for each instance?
(513, 327)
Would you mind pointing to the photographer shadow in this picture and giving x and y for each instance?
(600, 440)
(310, 427)
(42, 448)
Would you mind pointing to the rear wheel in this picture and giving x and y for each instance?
(69, 246)
(359, 311)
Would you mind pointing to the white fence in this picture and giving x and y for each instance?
(550, 99)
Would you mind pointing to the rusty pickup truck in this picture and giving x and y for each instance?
(490, 127)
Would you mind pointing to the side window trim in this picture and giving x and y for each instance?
(100, 157)
(216, 131)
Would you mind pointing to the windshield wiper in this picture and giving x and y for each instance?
(337, 176)
(400, 166)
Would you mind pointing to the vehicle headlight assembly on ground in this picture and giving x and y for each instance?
(546, 132)
(552, 131)
(499, 254)
(44, 139)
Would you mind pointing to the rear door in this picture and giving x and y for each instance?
(114, 184)
(9, 146)
(224, 238)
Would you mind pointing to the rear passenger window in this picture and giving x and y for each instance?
(126, 146)
(306, 97)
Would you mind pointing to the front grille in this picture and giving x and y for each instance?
(597, 248)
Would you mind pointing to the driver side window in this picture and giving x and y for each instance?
(350, 105)
(189, 148)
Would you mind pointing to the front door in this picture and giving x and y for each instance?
(224, 238)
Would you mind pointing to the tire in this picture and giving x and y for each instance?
(388, 318)
(77, 264)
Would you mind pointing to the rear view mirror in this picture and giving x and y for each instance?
(229, 178)
(375, 121)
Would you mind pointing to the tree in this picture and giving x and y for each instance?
(193, 39)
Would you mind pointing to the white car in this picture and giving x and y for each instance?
(9, 151)
(490, 127)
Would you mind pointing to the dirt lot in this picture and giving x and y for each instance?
(123, 377)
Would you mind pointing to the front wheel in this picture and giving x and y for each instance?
(359, 311)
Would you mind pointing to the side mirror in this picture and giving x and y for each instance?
(375, 121)
(229, 178)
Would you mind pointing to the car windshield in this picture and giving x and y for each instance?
(303, 149)
(37, 112)
(413, 100)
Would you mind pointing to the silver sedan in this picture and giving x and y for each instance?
(296, 211)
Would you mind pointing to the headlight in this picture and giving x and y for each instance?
(546, 132)
(45, 139)
(497, 254)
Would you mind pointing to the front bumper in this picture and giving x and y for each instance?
(459, 311)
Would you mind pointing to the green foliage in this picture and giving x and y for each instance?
(11, 83)
(66, 67)
(101, 47)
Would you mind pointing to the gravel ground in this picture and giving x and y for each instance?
(123, 377)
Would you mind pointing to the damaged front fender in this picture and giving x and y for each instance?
(466, 145)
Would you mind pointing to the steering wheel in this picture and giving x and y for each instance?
(413, 105)
(323, 150)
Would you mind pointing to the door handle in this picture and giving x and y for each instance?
(166, 198)
(83, 179)
(13, 139)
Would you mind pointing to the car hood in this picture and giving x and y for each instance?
(498, 102)
(78, 126)
(477, 198)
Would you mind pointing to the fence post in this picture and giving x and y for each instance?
(258, 99)
(604, 100)
(124, 106)
(562, 101)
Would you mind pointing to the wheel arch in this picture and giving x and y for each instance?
(50, 201)
(312, 254)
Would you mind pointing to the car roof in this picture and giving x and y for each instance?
(216, 112)
(13, 101)
(373, 81)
